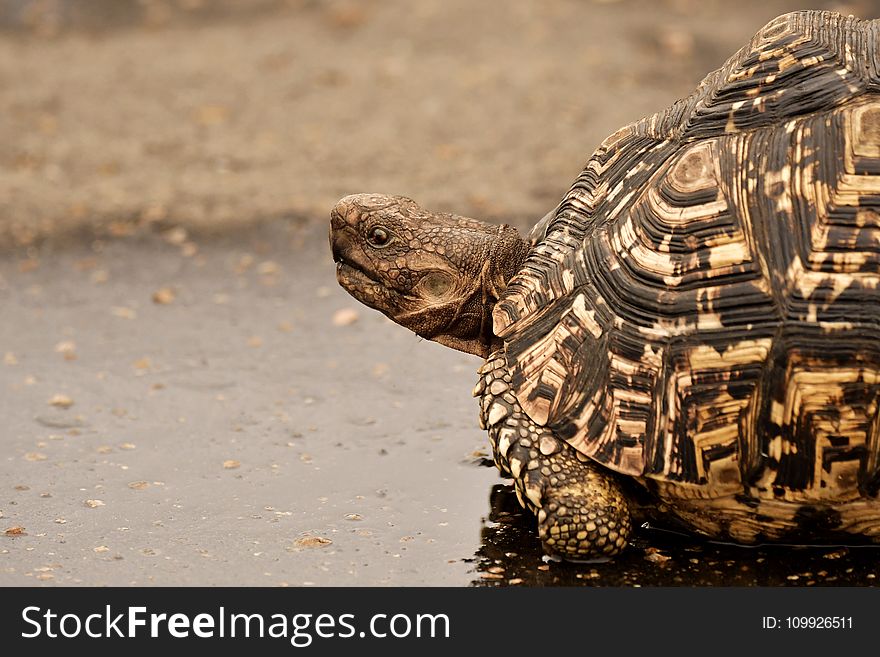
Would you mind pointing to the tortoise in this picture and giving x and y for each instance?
(692, 336)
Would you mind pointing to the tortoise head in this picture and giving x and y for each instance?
(438, 275)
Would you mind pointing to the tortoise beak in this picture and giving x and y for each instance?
(336, 247)
(344, 219)
(339, 226)
(345, 242)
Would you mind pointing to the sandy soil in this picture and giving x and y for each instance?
(188, 397)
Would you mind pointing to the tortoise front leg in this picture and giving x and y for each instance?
(582, 511)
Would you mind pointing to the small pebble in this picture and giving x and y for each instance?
(345, 317)
(268, 267)
(312, 542)
(654, 555)
(837, 554)
(176, 236)
(123, 312)
(61, 401)
(66, 348)
(164, 296)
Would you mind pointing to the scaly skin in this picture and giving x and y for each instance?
(439, 275)
(582, 512)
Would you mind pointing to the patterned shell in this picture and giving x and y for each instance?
(703, 309)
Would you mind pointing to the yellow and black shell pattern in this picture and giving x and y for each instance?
(703, 308)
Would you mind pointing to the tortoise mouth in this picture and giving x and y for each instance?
(362, 286)
(347, 254)
(366, 289)
(349, 270)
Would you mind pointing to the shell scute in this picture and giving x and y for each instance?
(703, 307)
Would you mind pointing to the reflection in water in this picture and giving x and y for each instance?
(511, 555)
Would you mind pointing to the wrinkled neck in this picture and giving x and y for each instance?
(505, 258)
(490, 258)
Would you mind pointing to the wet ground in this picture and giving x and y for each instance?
(187, 395)
(184, 413)
(180, 411)
(511, 555)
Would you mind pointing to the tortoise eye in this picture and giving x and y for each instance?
(378, 236)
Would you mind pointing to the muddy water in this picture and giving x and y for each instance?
(182, 411)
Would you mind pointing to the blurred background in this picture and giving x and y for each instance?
(186, 394)
(213, 113)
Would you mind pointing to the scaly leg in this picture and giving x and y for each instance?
(582, 511)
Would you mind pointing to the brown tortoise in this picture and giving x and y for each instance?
(697, 323)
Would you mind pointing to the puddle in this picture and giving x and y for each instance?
(511, 555)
